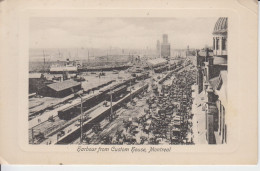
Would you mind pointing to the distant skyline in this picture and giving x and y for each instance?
(129, 33)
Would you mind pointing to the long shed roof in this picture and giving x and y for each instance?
(157, 61)
(63, 85)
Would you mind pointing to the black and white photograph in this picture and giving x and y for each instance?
(128, 81)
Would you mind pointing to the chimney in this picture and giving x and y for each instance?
(200, 80)
(197, 58)
(207, 54)
(197, 52)
(210, 94)
(210, 68)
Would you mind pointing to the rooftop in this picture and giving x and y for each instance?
(63, 85)
(220, 60)
(223, 75)
(212, 108)
(214, 82)
(222, 79)
(203, 53)
(157, 61)
(221, 26)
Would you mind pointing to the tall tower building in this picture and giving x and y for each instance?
(165, 38)
(158, 47)
(165, 47)
(220, 38)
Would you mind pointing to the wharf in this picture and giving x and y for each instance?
(96, 116)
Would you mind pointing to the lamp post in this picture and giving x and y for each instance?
(111, 105)
(32, 136)
(81, 117)
(143, 83)
(131, 89)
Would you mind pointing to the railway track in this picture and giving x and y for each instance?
(111, 128)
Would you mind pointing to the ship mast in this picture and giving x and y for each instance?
(59, 54)
(107, 56)
(88, 56)
(43, 60)
(77, 53)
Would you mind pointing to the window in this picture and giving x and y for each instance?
(213, 43)
(225, 133)
(217, 44)
(206, 73)
(224, 44)
(224, 126)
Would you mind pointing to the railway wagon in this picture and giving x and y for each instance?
(160, 69)
(69, 112)
(116, 93)
(178, 69)
(105, 84)
(142, 76)
(131, 80)
(89, 124)
(126, 99)
(172, 67)
(74, 110)
(125, 82)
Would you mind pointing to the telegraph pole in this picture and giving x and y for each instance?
(131, 90)
(143, 83)
(111, 105)
(43, 60)
(81, 120)
(32, 137)
(107, 56)
(81, 117)
(88, 55)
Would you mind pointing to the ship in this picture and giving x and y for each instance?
(70, 66)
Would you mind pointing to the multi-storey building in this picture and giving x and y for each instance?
(210, 90)
(165, 47)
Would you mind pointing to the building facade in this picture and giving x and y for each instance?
(165, 47)
(60, 89)
(210, 90)
(36, 82)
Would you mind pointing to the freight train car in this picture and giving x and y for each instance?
(172, 67)
(160, 69)
(130, 81)
(116, 93)
(128, 97)
(142, 76)
(89, 124)
(178, 69)
(74, 110)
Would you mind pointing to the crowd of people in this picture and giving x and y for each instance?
(170, 109)
(166, 117)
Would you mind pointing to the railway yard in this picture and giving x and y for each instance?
(148, 107)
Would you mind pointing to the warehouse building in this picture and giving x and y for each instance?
(60, 89)
(153, 63)
(36, 82)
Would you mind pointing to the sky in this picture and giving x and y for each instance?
(131, 33)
